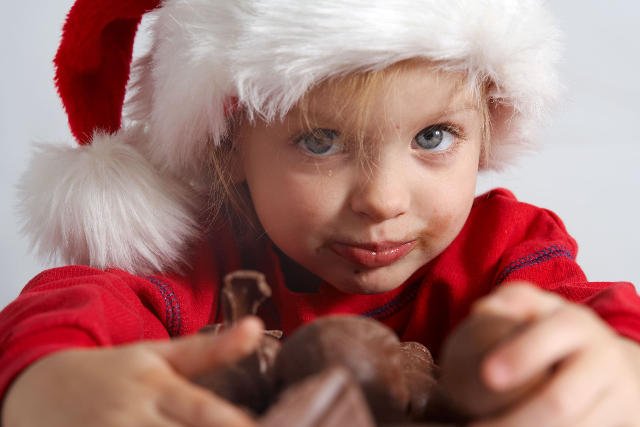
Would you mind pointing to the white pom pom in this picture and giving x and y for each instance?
(105, 205)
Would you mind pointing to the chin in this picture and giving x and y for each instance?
(369, 282)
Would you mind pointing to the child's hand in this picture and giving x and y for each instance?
(143, 384)
(594, 374)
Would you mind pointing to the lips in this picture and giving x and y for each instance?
(373, 255)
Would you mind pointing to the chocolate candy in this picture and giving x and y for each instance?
(321, 373)
(462, 357)
(331, 398)
(368, 349)
(419, 372)
(242, 294)
(249, 383)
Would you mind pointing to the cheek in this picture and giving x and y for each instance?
(448, 207)
(287, 204)
(443, 225)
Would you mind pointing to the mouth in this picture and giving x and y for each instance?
(373, 255)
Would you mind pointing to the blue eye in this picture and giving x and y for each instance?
(320, 142)
(435, 138)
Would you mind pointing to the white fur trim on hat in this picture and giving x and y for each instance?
(268, 53)
(105, 205)
(123, 199)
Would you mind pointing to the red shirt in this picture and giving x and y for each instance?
(503, 240)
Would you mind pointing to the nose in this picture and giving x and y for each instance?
(382, 192)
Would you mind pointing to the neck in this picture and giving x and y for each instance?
(297, 278)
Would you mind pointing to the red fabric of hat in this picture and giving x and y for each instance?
(131, 195)
(93, 62)
(103, 203)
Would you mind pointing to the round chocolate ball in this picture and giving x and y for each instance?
(462, 358)
(249, 382)
(419, 372)
(367, 348)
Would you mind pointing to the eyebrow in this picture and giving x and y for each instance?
(331, 117)
(313, 113)
(451, 111)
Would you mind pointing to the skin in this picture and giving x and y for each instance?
(594, 373)
(306, 204)
(143, 384)
(413, 194)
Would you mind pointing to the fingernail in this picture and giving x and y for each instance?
(498, 374)
(251, 322)
(491, 305)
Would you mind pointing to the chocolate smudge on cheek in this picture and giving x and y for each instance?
(439, 233)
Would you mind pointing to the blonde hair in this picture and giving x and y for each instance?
(355, 91)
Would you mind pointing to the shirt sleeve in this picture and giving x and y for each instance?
(79, 306)
(542, 252)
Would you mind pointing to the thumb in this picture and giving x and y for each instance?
(199, 353)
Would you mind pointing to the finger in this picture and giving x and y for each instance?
(539, 346)
(578, 385)
(143, 412)
(157, 419)
(603, 413)
(519, 301)
(200, 353)
(194, 406)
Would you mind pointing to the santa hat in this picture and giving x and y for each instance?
(127, 197)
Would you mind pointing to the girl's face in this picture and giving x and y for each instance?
(366, 222)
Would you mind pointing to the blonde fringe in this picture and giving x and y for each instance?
(353, 92)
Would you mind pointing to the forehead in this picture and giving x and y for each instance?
(411, 87)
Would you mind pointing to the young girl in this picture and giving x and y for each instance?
(333, 146)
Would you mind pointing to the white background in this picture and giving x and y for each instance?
(587, 169)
